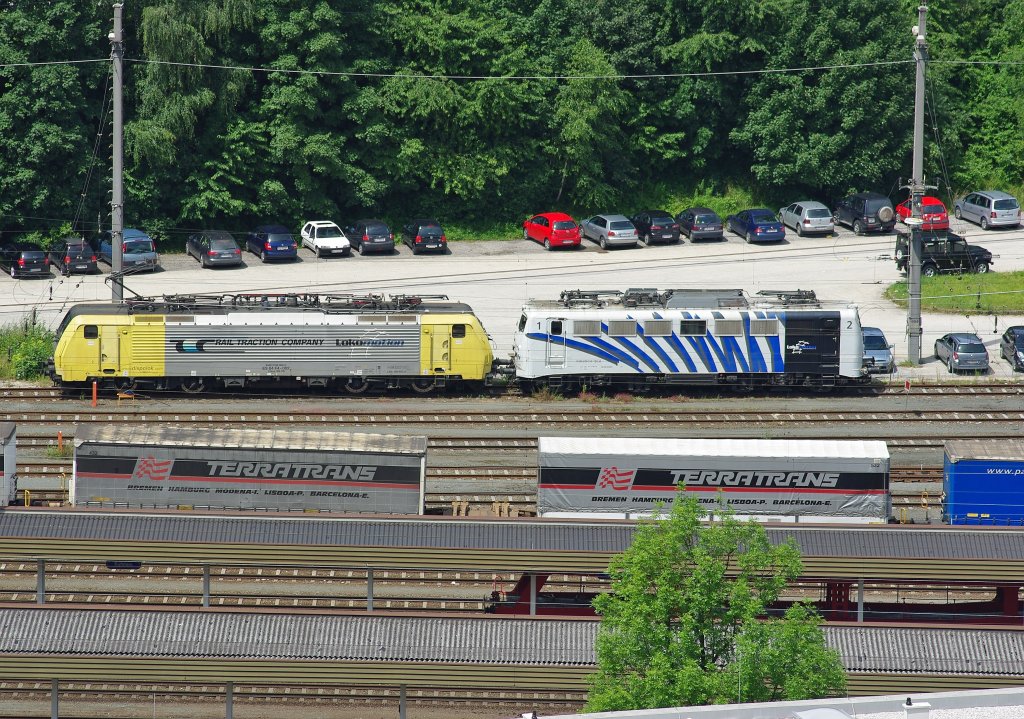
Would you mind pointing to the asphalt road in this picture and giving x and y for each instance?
(495, 278)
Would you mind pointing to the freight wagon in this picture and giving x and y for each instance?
(344, 343)
(272, 469)
(780, 480)
(983, 481)
(8, 462)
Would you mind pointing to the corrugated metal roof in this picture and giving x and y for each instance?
(476, 640)
(299, 439)
(514, 535)
(1003, 449)
(6, 430)
(698, 447)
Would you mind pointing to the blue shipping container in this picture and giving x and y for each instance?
(984, 482)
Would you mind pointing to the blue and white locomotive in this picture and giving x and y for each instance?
(642, 338)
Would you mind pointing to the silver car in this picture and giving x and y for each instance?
(962, 350)
(807, 217)
(989, 208)
(610, 231)
(878, 356)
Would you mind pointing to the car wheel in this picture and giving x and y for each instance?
(799, 230)
(13, 273)
(729, 227)
(749, 238)
(547, 245)
(263, 256)
(604, 243)
(858, 227)
(958, 214)
(929, 270)
(646, 238)
(984, 223)
(526, 235)
(203, 262)
(949, 366)
(981, 268)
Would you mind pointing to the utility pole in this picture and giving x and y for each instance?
(917, 190)
(117, 195)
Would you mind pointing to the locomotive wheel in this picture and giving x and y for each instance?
(423, 385)
(193, 385)
(123, 384)
(356, 385)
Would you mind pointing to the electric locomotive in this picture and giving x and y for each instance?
(340, 342)
(642, 338)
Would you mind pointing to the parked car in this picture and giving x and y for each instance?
(272, 242)
(989, 208)
(943, 251)
(137, 248)
(756, 225)
(20, 259)
(807, 217)
(700, 223)
(656, 226)
(933, 213)
(552, 229)
(1011, 346)
(866, 212)
(424, 234)
(371, 236)
(962, 350)
(609, 231)
(214, 248)
(324, 237)
(878, 356)
(73, 255)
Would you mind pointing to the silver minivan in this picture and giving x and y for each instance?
(960, 351)
(610, 231)
(989, 208)
(878, 356)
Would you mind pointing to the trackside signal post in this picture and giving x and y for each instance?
(117, 186)
(917, 190)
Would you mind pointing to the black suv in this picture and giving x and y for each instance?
(655, 226)
(21, 259)
(371, 236)
(943, 251)
(73, 255)
(424, 234)
(866, 212)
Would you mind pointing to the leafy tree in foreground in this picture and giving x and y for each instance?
(681, 625)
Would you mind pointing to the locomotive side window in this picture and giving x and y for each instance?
(658, 328)
(729, 327)
(693, 328)
(458, 331)
(91, 332)
(763, 328)
(621, 328)
(522, 323)
(586, 328)
(556, 328)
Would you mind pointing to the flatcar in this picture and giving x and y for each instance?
(642, 338)
(346, 343)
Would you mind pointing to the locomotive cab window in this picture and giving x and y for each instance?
(556, 327)
(693, 328)
(522, 323)
(91, 332)
(458, 331)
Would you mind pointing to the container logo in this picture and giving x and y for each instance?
(615, 478)
(153, 469)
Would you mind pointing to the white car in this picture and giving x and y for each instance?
(325, 238)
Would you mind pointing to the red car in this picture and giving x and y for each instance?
(933, 212)
(552, 229)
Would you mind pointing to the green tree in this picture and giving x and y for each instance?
(683, 623)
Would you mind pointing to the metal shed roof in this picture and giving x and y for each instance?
(1003, 449)
(310, 440)
(475, 640)
(699, 447)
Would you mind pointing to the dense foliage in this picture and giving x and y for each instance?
(378, 107)
(25, 348)
(683, 623)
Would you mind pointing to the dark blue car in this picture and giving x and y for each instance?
(757, 225)
(272, 242)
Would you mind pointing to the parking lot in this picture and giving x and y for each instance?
(495, 278)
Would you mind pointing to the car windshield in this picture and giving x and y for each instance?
(565, 225)
(328, 232)
(279, 237)
(932, 209)
(705, 219)
(138, 247)
(1007, 204)
(819, 212)
(762, 217)
(1018, 339)
(971, 348)
(222, 245)
(875, 342)
(621, 225)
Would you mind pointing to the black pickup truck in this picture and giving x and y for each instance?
(943, 251)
